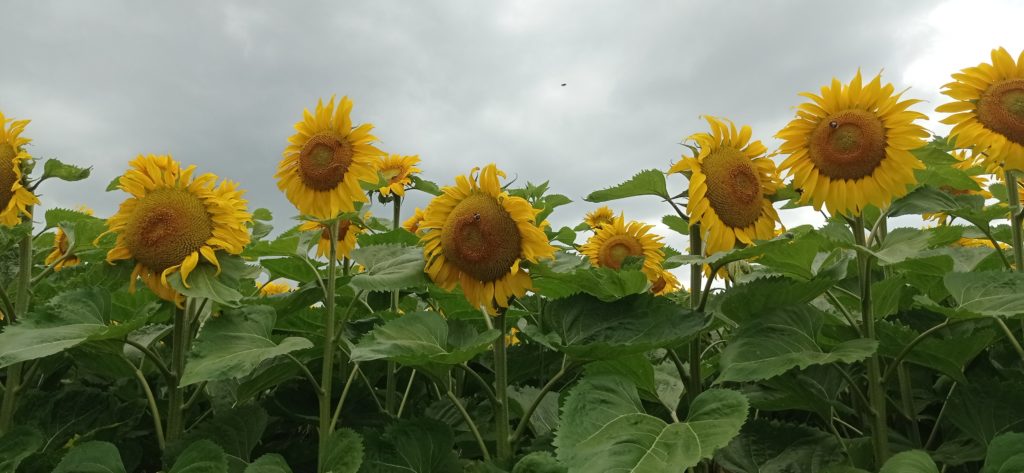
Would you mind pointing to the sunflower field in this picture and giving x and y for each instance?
(184, 334)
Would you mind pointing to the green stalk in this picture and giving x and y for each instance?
(501, 428)
(179, 349)
(327, 375)
(392, 382)
(696, 380)
(907, 399)
(1015, 211)
(876, 394)
(21, 304)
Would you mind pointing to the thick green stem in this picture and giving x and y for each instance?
(391, 394)
(153, 409)
(327, 375)
(696, 379)
(21, 303)
(1015, 212)
(876, 393)
(501, 427)
(179, 349)
(907, 399)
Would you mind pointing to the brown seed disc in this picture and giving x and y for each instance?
(7, 176)
(848, 145)
(616, 249)
(734, 189)
(166, 226)
(481, 238)
(324, 160)
(1001, 109)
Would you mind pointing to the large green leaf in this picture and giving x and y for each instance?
(420, 338)
(782, 340)
(606, 284)
(389, 267)
(16, 445)
(66, 172)
(237, 431)
(647, 182)
(417, 446)
(91, 457)
(913, 461)
(746, 302)
(587, 328)
(203, 456)
(1005, 454)
(816, 389)
(985, 408)
(344, 453)
(269, 463)
(948, 355)
(604, 428)
(991, 293)
(773, 447)
(235, 343)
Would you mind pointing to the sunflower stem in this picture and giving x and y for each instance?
(21, 304)
(1014, 199)
(696, 249)
(501, 428)
(179, 349)
(327, 375)
(391, 394)
(876, 393)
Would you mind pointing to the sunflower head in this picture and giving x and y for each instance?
(273, 288)
(666, 283)
(348, 230)
(395, 171)
(61, 257)
(850, 146)
(477, 235)
(172, 220)
(512, 337)
(414, 222)
(610, 245)
(600, 217)
(730, 180)
(15, 199)
(326, 159)
(988, 109)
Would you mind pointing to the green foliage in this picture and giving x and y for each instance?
(1005, 454)
(17, 445)
(91, 457)
(914, 461)
(647, 182)
(65, 172)
(344, 452)
(775, 447)
(389, 268)
(420, 446)
(203, 456)
(421, 338)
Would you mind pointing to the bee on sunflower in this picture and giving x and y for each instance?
(15, 199)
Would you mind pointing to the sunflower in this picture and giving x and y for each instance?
(395, 170)
(978, 243)
(967, 164)
(610, 245)
(665, 283)
(172, 219)
(729, 180)
(414, 222)
(477, 235)
(274, 288)
(60, 257)
(988, 109)
(347, 232)
(512, 337)
(15, 199)
(850, 147)
(599, 217)
(325, 160)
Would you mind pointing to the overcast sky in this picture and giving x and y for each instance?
(460, 83)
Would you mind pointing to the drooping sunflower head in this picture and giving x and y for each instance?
(477, 235)
(15, 199)
(413, 223)
(850, 146)
(610, 245)
(395, 170)
(666, 283)
(600, 217)
(273, 288)
(348, 230)
(172, 220)
(988, 109)
(326, 159)
(61, 257)
(730, 179)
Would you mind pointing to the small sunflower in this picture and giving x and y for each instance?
(730, 179)
(965, 163)
(60, 255)
(850, 147)
(512, 337)
(665, 283)
(325, 160)
(599, 217)
(988, 109)
(15, 199)
(614, 242)
(395, 171)
(347, 233)
(172, 219)
(978, 243)
(477, 235)
(274, 288)
(414, 222)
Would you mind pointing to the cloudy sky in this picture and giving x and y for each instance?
(460, 83)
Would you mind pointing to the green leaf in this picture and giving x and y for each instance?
(234, 344)
(91, 457)
(262, 215)
(292, 267)
(344, 453)
(782, 340)
(986, 408)
(389, 268)
(19, 443)
(677, 224)
(424, 185)
(237, 430)
(816, 389)
(772, 447)
(619, 436)
(647, 182)
(204, 282)
(269, 463)
(947, 355)
(1005, 454)
(114, 184)
(914, 461)
(419, 446)
(539, 462)
(66, 172)
(420, 338)
(401, 237)
(606, 284)
(203, 456)
(545, 417)
(584, 327)
(991, 293)
(924, 199)
(746, 302)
